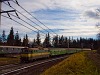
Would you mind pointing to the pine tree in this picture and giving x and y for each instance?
(55, 41)
(38, 40)
(25, 41)
(66, 42)
(3, 37)
(17, 40)
(10, 39)
(62, 41)
(34, 43)
(0, 41)
(46, 42)
(20, 43)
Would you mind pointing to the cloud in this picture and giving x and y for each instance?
(92, 14)
(65, 17)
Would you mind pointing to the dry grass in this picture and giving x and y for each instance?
(8, 60)
(76, 64)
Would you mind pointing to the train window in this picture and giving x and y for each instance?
(35, 50)
(2, 50)
(6, 48)
(30, 51)
(13, 49)
(26, 51)
(40, 50)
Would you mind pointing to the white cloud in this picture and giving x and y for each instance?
(78, 17)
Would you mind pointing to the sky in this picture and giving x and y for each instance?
(74, 18)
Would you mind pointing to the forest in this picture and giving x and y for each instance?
(56, 42)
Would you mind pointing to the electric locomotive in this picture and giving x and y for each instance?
(29, 54)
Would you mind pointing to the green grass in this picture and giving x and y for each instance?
(76, 64)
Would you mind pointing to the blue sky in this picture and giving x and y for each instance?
(75, 18)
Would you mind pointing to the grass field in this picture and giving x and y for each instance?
(76, 64)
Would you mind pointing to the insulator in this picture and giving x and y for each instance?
(17, 2)
(9, 3)
(9, 15)
(17, 14)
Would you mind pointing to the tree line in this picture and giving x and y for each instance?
(56, 42)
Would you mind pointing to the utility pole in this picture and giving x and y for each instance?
(0, 13)
(82, 45)
(4, 11)
(68, 42)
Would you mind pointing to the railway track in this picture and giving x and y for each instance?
(26, 69)
(8, 66)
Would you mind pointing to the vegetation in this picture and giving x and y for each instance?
(57, 41)
(8, 60)
(76, 64)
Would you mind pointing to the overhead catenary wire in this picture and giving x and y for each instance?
(34, 16)
(20, 24)
(24, 16)
(24, 21)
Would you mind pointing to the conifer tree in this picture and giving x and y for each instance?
(17, 39)
(38, 40)
(25, 41)
(46, 42)
(66, 42)
(34, 43)
(55, 41)
(3, 37)
(0, 41)
(10, 39)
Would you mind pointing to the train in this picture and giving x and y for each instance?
(29, 54)
(10, 51)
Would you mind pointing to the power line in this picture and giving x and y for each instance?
(4, 0)
(23, 15)
(33, 16)
(25, 22)
(20, 24)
